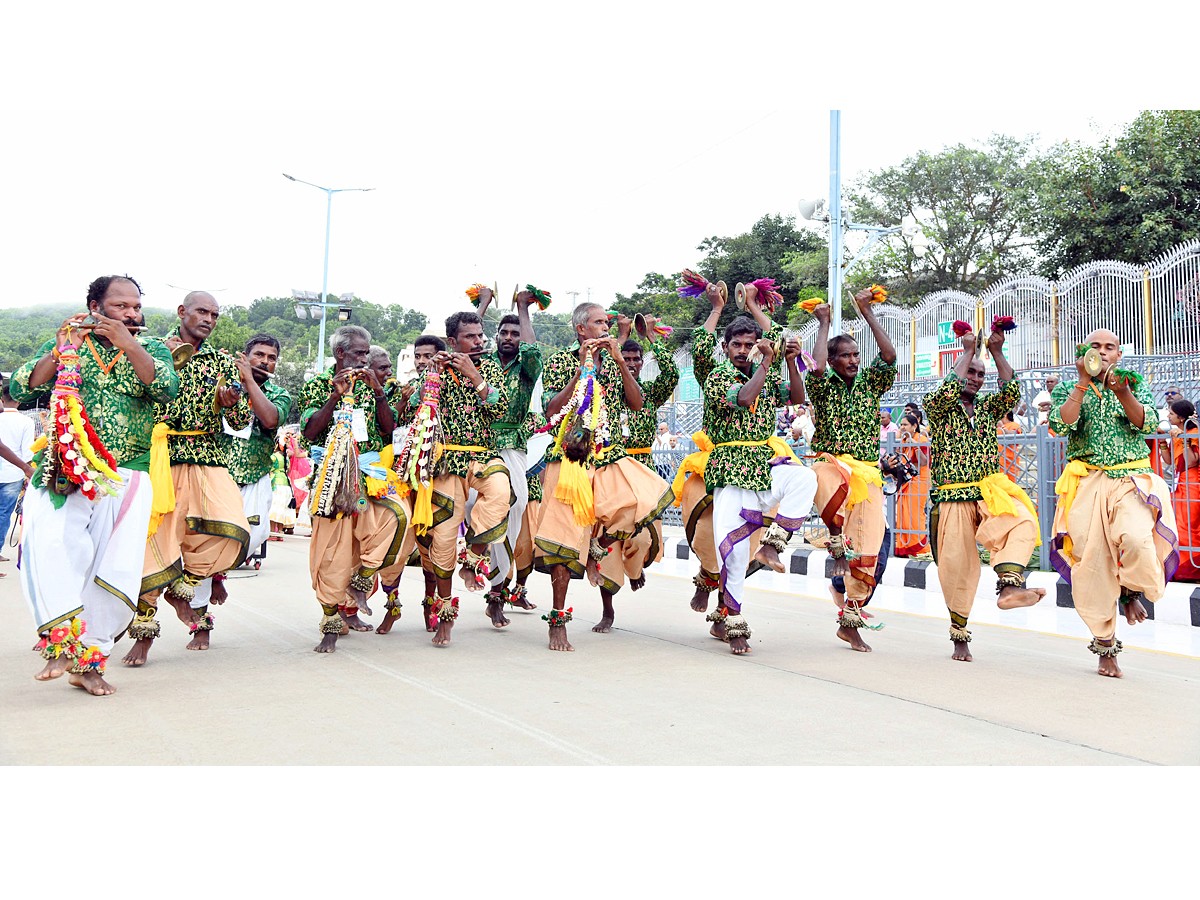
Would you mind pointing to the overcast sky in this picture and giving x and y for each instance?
(576, 164)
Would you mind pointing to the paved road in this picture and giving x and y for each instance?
(656, 691)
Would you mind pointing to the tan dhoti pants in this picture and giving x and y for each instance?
(1123, 536)
(523, 550)
(963, 524)
(489, 515)
(862, 524)
(393, 564)
(206, 534)
(628, 497)
(696, 506)
(332, 557)
(629, 557)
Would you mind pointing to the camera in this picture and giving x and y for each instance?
(897, 471)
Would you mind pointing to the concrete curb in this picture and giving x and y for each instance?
(1179, 606)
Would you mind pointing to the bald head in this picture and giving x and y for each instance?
(195, 297)
(1107, 344)
(198, 314)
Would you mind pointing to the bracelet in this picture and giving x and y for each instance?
(483, 388)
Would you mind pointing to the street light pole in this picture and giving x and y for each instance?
(836, 234)
(329, 192)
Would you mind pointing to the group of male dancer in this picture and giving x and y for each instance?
(178, 416)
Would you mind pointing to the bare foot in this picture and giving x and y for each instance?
(495, 612)
(219, 594)
(441, 637)
(1013, 597)
(700, 600)
(604, 626)
(1134, 613)
(841, 566)
(1109, 667)
(850, 636)
(354, 622)
(328, 643)
(768, 556)
(360, 600)
(138, 652)
(520, 598)
(739, 646)
(469, 579)
(186, 614)
(93, 683)
(593, 573)
(636, 584)
(718, 631)
(54, 668)
(391, 615)
(199, 641)
(839, 598)
(429, 628)
(962, 651)
(558, 638)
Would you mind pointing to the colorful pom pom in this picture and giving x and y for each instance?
(1003, 323)
(879, 293)
(960, 327)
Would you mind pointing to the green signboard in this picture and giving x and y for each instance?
(946, 333)
(925, 365)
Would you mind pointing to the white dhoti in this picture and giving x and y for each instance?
(85, 559)
(738, 513)
(256, 502)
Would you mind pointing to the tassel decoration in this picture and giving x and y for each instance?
(421, 452)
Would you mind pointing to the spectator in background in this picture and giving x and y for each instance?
(663, 440)
(1184, 450)
(911, 409)
(16, 433)
(1009, 453)
(912, 527)
(1170, 395)
(886, 425)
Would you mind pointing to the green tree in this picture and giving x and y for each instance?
(1130, 199)
(970, 203)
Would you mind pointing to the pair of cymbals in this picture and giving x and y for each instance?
(742, 293)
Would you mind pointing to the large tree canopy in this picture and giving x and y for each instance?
(1131, 199)
(969, 202)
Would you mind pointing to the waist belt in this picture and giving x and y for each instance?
(637, 451)
(160, 472)
(466, 448)
(999, 493)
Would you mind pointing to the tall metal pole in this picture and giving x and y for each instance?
(836, 231)
(325, 277)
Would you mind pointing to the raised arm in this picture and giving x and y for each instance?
(887, 350)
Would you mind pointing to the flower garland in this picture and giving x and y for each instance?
(63, 640)
(559, 617)
(91, 660)
(422, 451)
(73, 456)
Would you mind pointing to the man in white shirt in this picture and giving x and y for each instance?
(16, 433)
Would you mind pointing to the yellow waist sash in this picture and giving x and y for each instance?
(862, 474)
(465, 448)
(999, 493)
(693, 463)
(637, 451)
(1068, 484)
(698, 462)
(160, 473)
